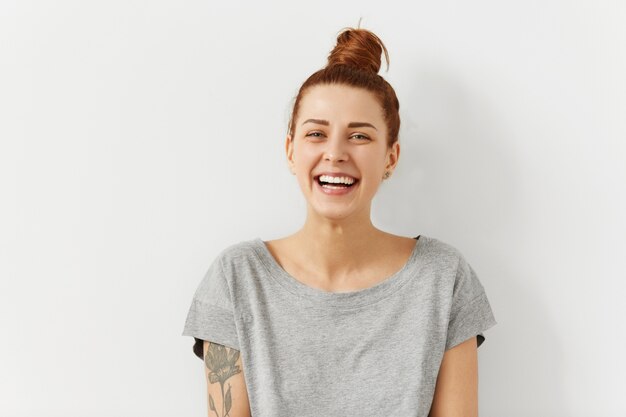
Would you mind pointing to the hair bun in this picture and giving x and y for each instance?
(358, 48)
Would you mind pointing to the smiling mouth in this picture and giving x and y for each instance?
(335, 185)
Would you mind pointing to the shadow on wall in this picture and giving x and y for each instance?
(453, 157)
(458, 160)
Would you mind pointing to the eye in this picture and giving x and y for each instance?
(360, 136)
(314, 134)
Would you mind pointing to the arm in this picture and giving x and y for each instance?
(227, 393)
(456, 390)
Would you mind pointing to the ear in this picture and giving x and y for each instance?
(393, 154)
(289, 152)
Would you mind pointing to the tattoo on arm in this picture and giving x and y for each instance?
(221, 363)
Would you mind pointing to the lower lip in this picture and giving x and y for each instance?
(336, 191)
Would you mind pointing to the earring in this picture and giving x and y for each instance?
(387, 174)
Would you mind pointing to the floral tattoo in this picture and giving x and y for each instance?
(221, 362)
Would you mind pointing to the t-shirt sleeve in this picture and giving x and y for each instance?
(210, 315)
(470, 313)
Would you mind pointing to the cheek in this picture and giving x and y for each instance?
(304, 157)
(303, 166)
(373, 163)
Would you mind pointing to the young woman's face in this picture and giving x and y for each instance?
(340, 131)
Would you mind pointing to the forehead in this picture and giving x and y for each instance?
(340, 103)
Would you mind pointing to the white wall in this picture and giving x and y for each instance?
(140, 138)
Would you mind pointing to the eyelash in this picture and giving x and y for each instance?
(357, 134)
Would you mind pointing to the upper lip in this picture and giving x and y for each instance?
(336, 174)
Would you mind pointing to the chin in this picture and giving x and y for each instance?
(335, 216)
(330, 214)
(339, 213)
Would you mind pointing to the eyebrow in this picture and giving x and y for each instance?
(351, 124)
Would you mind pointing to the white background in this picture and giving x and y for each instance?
(139, 138)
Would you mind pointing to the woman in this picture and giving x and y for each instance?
(341, 318)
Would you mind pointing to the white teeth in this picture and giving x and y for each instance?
(336, 180)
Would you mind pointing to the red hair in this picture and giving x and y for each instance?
(355, 61)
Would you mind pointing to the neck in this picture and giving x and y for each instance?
(335, 248)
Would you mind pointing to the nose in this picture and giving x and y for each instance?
(335, 149)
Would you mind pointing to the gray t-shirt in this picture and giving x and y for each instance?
(308, 352)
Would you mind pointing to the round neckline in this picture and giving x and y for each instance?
(349, 299)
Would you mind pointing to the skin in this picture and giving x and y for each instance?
(456, 391)
(227, 395)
